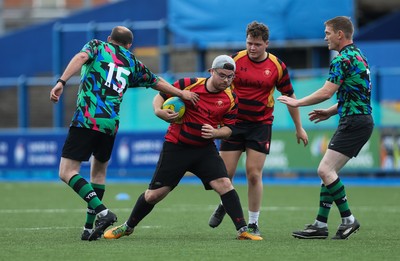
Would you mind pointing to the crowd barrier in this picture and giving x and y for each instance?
(35, 155)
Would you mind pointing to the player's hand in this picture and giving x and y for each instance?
(190, 96)
(318, 115)
(301, 135)
(167, 115)
(56, 92)
(288, 101)
(207, 131)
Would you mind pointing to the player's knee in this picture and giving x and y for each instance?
(322, 172)
(254, 177)
(155, 196)
(221, 185)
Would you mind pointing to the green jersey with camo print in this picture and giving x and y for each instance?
(110, 70)
(350, 70)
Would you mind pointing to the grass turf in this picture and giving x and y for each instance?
(43, 221)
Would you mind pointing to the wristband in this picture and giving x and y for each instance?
(62, 82)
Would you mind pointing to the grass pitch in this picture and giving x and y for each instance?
(43, 221)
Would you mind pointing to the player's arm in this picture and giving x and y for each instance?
(164, 114)
(73, 67)
(301, 134)
(319, 115)
(320, 95)
(209, 132)
(163, 86)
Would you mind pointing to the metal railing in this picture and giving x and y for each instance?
(23, 83)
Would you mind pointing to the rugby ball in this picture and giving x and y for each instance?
(176, 104)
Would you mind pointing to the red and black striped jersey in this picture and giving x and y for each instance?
(217, 109)
(255, 83)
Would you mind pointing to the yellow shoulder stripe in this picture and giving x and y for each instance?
(199, 81)
(274, 59)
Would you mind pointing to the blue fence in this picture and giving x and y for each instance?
(35, 155)
(381, 77)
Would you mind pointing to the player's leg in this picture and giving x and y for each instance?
(171, 167)
(330, 165)
(98, 171)
(102, 149)
(258, 140)
(332, 190)
(69, 173)
(231, 159)
(80, 144)
(211, 169)
(144, 205)
(231, 202)
(254, 169)
(347, 142)
(69, 170)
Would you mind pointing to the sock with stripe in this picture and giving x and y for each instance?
(86, 192)
(325, 204)
(338, 193)
(90, 213)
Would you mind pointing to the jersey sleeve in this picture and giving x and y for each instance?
(284, 84)
(142, 76)
(91, 48)
(180, 84)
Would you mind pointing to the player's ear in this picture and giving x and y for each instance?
(341, 34)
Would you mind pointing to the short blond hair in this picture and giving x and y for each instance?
(342, 23)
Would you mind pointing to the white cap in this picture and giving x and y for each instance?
(224, 62)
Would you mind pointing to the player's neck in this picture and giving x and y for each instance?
(210, 87)
(260, 58)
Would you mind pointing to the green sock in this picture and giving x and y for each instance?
(336, 189)
(90, 213)
(86, 192)
(325, 204)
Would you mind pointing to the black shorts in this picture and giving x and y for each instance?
(81, 143)
(248, 135)
(175, 160)
(351, 135)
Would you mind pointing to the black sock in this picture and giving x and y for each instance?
(139, 211)
(233, 208)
